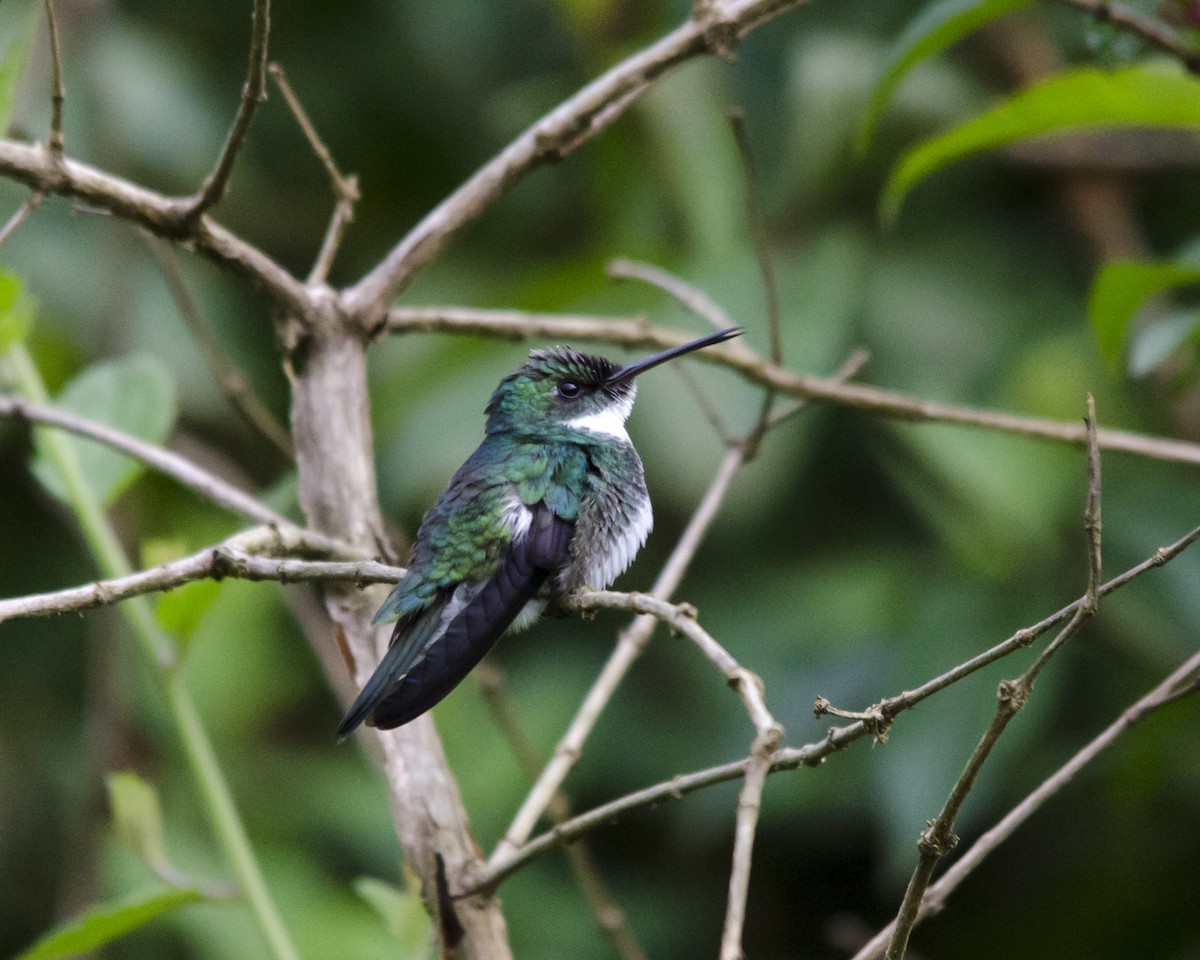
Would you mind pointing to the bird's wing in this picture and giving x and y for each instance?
(433, 650)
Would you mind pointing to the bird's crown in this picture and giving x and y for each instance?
(556, 386)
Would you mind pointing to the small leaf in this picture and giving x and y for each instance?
(14, 62)
(401, 911)
(138, 818)
(1158, 340)
(135, 395)
(16, 311)
(938, 26)
(1144, 96)
(181, 610)
(106, 922)
(1121, 287)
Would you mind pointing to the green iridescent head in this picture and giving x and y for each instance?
(554, 387)
(563, 387)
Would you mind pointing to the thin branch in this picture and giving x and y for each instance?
(1153, 32)
(240, 557)
(345, 188)
(610, 918)
(847, 371)
(163, 653)
(758, 238)
(58, 92)
(886, 710)
(691, 297)
(758, 235)
(572, 123)
(231, 381)
(1182, 682)
(1091, 513)
(254, 91)
(938, 839)
(178, 468)
(751, 366)
(630, 644)
(792, 758)
(707, 407)
(681, 618)
(521, 325)
(24, 210)
(31, 166)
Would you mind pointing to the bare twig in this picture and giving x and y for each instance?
(522, 325)
(178, 468)
(1182, 682)
(630, 643)
(747, 363)
(1153, 32)
(610, 918)
(707, 407)
(58, 92)
(345, 188)
(231, 381)
(810, 755)
(570, 124)
(254, 91)
(758, 236)
(758, 239)
(239, 557)
(847, 371)
(888, 709)
(24, 210)
(938, 839)
(681, 618)
(160, 215)
(691, 297)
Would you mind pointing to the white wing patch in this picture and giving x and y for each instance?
(517, 517)
(631, 539)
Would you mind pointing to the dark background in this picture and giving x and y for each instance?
(854, 559)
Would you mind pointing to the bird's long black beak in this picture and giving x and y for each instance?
(641, 366)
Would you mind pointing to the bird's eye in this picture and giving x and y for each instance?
(569, 389)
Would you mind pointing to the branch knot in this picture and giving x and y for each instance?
(936, 841)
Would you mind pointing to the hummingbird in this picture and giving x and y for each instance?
(553, 500)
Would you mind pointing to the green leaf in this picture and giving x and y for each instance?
(938, 26)
(106, 922)
(137, 817)
(1121, 287)
(401, 911)
(1143, 96)
(16, 311)
(135, 395)
(1156, 341)
(180, 611)
(14, 62)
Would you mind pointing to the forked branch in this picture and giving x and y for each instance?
(938, 839)
(570, 124)
(254, 91)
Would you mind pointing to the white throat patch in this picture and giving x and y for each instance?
(607, 423)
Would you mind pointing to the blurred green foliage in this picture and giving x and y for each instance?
(855, 557)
